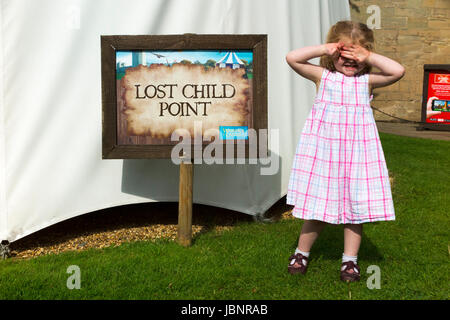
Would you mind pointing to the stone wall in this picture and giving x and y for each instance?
(414, 33)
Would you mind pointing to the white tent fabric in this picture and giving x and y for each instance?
(50, 104)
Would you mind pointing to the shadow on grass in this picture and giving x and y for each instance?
(330, 245)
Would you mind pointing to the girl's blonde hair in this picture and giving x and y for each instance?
(359, 33)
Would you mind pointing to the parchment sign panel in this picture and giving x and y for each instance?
(206, 87)
(155, 99)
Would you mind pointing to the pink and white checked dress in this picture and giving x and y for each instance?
(339, 172)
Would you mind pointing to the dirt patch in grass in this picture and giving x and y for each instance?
(147, 221)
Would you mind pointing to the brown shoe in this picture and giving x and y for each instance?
(350, 276)
(300, 267)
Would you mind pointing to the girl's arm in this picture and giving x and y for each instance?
(391, 71)
(298, 59)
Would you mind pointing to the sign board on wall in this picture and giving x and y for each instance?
(158, 88)
(436, 97)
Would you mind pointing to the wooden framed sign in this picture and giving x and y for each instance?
(160, 90)
(436, 97)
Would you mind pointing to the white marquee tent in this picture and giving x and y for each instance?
(230, 60)
(51, 166)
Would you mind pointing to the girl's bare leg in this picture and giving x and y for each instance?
(310, 231)
(352, 240)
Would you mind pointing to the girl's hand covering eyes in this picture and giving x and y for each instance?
(355, 52)
(333, 49)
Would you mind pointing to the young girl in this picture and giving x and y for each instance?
(339, 173)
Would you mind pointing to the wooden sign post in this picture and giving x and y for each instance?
(185, 202)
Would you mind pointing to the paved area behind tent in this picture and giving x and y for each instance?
(409, 129)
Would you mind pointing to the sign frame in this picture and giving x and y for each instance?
(427, 69)
(110, 44)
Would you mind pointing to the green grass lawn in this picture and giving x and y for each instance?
(250, 261)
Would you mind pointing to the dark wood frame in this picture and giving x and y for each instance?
(110, 44)
(426, 73)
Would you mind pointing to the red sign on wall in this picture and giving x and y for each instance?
(436, 95)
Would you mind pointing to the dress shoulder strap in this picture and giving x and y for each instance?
(323, 79)
(365, 80)
(362, 89)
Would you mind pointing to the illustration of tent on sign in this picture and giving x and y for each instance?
(230, 60)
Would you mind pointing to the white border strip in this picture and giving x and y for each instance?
(3, 205)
